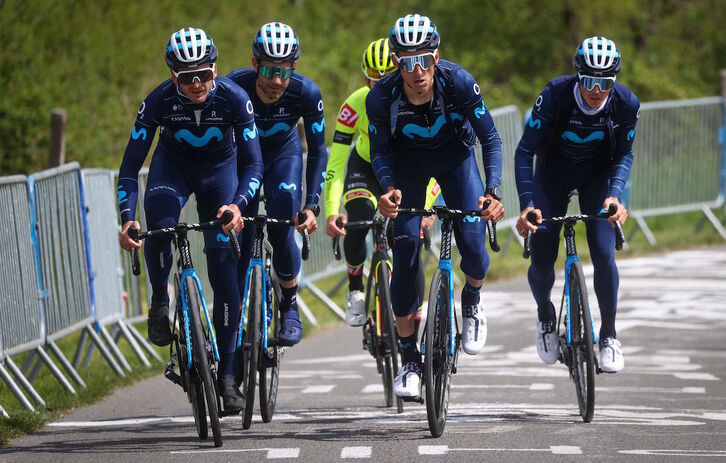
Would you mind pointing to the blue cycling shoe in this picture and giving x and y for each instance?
(291, 328)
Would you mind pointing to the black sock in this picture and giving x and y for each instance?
(289, 298)
(469, 295)
(355, 282)
(409, 350)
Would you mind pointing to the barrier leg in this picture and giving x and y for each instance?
(104, 351)
(3, 412)
(113, 348)
(24, 382)
(143, 342)
(338, 285)
(123, 331)
(15, 389)
(54, 369)
(79, 349)
(325, 299)
(306, 311)
(714, 221)
(642, 226)
(70, 369)
(28, 363)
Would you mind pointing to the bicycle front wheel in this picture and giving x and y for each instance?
(389, 340)
(201, 358)
(271, 357)
(582, 366)
(438, 363)
(251, 344)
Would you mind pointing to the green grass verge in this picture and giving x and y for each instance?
(676, 231)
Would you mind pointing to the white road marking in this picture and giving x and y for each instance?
(445, 450)
(321, 389)
(356, 452)
(371, 388)
(272, 453)
(676, 453)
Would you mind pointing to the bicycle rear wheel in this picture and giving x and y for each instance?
(251, 344)
(201, 358)
(582, 369)
(389, 340)
(437, 361)
(271, 357)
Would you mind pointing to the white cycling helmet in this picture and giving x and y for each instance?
(276, 42)
(414, 32)
(190, 47)
(597, 56)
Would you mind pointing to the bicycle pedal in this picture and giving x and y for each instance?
(418, 399)
(171, 375)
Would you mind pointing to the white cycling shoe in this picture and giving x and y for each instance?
(408, 381)
(474, 332)
(611, 355)
(355, 314)
(546, 339)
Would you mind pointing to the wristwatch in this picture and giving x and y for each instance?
(315, 208)
(495, 193)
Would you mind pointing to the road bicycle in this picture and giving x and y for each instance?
(441, 337)
(576, 329)
(379, 330)
(257, 342)
(193, 350)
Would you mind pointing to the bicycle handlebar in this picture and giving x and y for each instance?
(301, 217)
(612, 209)
(358, 224)
(136, 235)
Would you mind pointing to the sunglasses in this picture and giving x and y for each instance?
(589, 82)
(408, 63)
(374, 74)
(268, 72)
(202, 75)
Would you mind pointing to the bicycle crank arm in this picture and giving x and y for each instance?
(171, 375)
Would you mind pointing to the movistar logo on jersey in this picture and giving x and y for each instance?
(222, 238)
(248, 134)
(323, 182)
(287, 186)
(122, 196)
(472, 219)
(319, 126)
(372, 128)
(479, 112)
(573, 137)
(412, 129)
(140, 134)
(187, 136)
(532, 122)
(631, 134)
(253, 186)
(279, 127)
(456, 117)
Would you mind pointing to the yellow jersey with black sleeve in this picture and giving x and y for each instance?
(352, 120)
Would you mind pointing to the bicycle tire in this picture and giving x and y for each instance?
(251, 344)
(582, 363)
(270, 359)
(201, 359)
(388, 335)
(437, 361)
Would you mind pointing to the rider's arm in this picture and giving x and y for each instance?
(249, 155)
(379, 134)
(468, 97)
(335, 170)
(623, 161)
(315, 133)
(533, 139)
(142, 135)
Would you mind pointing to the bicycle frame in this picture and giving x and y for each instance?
(187, 330)
(445, 266)
(256, 261)
(571, 259)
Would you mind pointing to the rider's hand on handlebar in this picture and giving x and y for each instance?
(621, 214)
(523, 225)
(124, 241)
(332, 229)
(389, 202)
(310, 223)
(427, 221)
(494, 212)
(237, 223)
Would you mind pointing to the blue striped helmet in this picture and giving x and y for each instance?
(414, 32)
(190, 47)
(597, 56)
(276, 41)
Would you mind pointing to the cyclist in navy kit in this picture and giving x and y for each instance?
(280, 97)
(424, 121)
(207, 146)
(581, 129)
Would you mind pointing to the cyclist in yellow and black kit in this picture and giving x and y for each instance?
(357, 185)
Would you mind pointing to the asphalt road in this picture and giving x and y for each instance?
(669, 404)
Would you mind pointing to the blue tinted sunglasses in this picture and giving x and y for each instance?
(589, 82)
(269, 72)
(408, 63)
